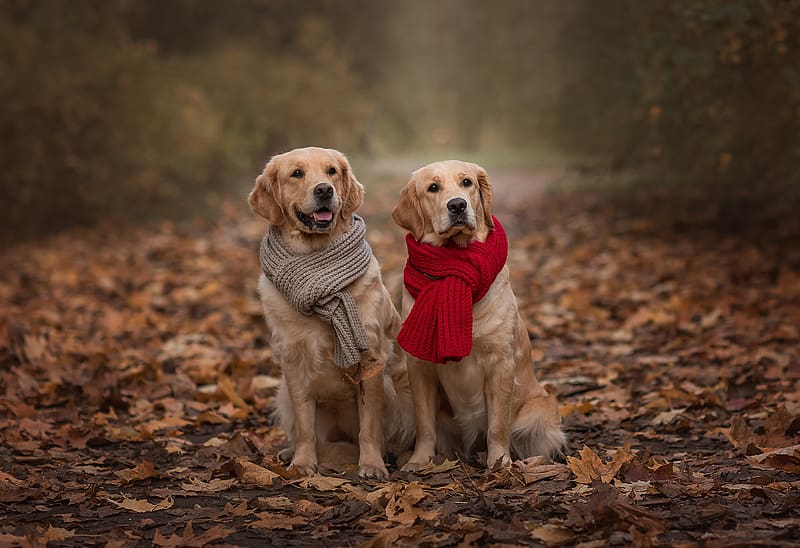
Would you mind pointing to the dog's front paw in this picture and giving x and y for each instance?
(497, 462)
(415, 465)
(304, 468)
(373, 471)
(420, 458)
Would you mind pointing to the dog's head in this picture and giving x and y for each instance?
(446, 202)
(308, 192)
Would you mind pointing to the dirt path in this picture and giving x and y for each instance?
(136, 383)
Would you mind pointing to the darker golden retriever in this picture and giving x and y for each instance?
(490, 398)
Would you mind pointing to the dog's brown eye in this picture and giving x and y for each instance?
(331, 171)
(298, 174)
(433, 188)
(466, 182)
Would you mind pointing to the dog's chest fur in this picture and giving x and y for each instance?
(303, 345)
(493, 321)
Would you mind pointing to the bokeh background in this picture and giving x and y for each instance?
(142, 109)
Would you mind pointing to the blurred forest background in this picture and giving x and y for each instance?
(146, 108)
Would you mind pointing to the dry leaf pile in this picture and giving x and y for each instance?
(136, 379)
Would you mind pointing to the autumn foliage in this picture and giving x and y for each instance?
(136, 379)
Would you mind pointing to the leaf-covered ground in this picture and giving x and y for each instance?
(136, 379)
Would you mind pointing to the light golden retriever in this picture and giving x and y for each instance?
(492, 394)
(309, 196)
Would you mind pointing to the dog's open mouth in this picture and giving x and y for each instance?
(319, 220)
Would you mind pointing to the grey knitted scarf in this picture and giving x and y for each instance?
(316, 283)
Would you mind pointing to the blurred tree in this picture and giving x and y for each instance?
(103, 115)
(120, 107)
(699, 90)
(78, 121)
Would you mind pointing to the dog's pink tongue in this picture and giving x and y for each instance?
(323, 215)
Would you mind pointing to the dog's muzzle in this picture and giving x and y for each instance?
(321, 219)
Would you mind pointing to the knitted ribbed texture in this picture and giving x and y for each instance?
(446, 282)
(315, 283)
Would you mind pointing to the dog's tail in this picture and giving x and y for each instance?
(537, 429)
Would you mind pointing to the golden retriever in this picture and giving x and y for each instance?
(492, 394)
(309, 197)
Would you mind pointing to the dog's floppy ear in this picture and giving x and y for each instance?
(408, 211)
(486, 194)
(262, 198)
(353, 194)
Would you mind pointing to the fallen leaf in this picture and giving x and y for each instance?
(226, 385)
(432, 468)
(212, 486)
(402, 506)
(153, 426)
(270, 521)
(144, 470)
(279, 502)
(9, 479)
(537, 468)
(210, 417)
(125, 433)
(188, 538)
(666, 417)
(321, 483)
(252, 473)
(785, 458)
(239, 510)
(142, 505)
(583, 407)
(55, 534)
(36, 428)
(7, 539)
(552, 534)
(388, 535)
(589, 467)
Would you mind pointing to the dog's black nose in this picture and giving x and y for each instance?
(457, 205)
(323, 191)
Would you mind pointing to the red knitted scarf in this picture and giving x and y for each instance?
(446, 282)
